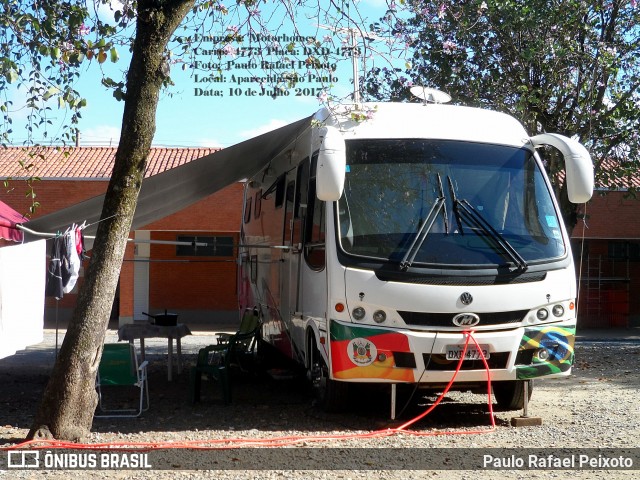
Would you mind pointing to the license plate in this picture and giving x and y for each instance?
(454, 352)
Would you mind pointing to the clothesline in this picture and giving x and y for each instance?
(134, 240)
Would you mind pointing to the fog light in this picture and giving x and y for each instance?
(543, 354)
(379, 316)
(358, 313)
(558, 310)
(542, 314)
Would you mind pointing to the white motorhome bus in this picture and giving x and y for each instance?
(371, 245)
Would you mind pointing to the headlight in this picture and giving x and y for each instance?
(542, 314)
(358, 313)
(558, 310)
(379, 316)
(542, 354)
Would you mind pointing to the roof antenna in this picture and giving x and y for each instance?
(430, 95)
(352, 47)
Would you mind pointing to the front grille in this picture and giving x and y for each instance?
(462, 280)
(439, 362)
(426, 319)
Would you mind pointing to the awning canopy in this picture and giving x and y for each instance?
(8, 220)
(171, 191)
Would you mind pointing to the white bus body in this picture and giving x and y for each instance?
(370, 247)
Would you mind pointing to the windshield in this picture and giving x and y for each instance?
(392, 186)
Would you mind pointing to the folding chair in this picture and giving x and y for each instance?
(119, 368)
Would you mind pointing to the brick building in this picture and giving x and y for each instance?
(198, 283)
(609, 246)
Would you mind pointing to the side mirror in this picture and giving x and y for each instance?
(332, 160)
(578, 165)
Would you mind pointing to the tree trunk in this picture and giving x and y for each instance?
(70, 399)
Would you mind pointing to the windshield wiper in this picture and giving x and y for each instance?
(462, 208)
(425, 228)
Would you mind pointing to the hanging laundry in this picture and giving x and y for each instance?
(54, 271)
(79, 243)
(22, 287)
(73, 259)
(65, 265)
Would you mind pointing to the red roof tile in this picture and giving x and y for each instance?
(627, 175)
(94, 163)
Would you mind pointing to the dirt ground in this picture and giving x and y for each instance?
(596, 407)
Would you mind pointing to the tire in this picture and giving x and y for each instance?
(331, 396)
(510, 395)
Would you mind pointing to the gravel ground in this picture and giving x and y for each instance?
(596, 407)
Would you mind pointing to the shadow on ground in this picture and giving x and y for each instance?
(267, 404)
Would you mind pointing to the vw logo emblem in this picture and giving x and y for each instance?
(466, 298)
(466, 320)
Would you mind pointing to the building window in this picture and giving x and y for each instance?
(215, 246)
(622, 250)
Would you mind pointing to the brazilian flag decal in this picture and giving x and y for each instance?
(558, 343)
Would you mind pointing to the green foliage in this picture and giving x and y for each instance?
(569, 67)
(41, 49)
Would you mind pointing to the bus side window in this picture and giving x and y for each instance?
(300, 203)
(302, 182)
(279, 187)
(258, 204)
(288, 212)
(247, 210)
(315, 226)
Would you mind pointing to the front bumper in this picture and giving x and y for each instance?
(384, 355)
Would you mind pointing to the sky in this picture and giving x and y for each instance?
(188, 117)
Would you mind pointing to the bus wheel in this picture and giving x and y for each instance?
(331, 395)
(510, 394)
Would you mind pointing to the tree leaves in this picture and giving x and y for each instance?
(572, 69)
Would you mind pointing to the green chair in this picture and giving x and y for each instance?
(240, 347)
(119, 369)
(249, 322)
(231, 350)
(215, 364)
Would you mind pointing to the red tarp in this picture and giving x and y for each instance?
(8, 219)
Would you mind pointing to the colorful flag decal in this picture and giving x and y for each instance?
(367, 353)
